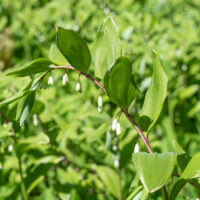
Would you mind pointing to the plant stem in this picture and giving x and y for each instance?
(164, 193)
(145, 139)
(23, 187)
(85, 74)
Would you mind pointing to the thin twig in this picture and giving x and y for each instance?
(83, 73)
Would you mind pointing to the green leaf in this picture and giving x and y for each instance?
(36, 172)
(135, 193)
(36, 66)
(191, 171)
(177, 147)
(74, 48)
(155, 95)
(177, 188)
(17, 96)
(154, 169)
(110, 179)
(56, 56)
(107, 47)
(24, 107)
(119, 83)
(32, 86)
(193, 168)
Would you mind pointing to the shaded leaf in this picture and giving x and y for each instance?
(74, 48)
(24, 107)
(119, 84)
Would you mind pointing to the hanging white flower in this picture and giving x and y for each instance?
(99, 109)
(50, 81)
(118, 130)
(137, 148)
(65, 79)
(114, 148)
(78, 86)
(100, 101)
(116, 162)
(10, 148)
(35, 120)
(114, 124)
(100, 104)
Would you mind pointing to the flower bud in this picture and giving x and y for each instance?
(50, 81)
(65, 79)
(78, 87)
(114, 124)
(137, 148)
(118, 130)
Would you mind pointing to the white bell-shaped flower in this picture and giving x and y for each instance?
(100, 104)
(78, 86)
(65, 79)
(114, 148)
(35, 120)
(50, 81)
(10, 148)
(116, 162)
(114, 124)
(137, 148)
(99, 109)
(118, 129)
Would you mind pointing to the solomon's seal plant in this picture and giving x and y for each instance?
(114, 76)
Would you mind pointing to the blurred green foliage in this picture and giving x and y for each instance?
(64, 149)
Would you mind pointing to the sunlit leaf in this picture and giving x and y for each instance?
(154, 169)
(56, 56)
(193, 168)
(36, 66)
(111, 180)
(107, 47)
(155, 95)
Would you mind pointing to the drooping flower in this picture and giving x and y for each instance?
(50, 81)
(78, 86)
(65, 79)
(118, 130)
(100, 104)
(114, 124)
(137, 148)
